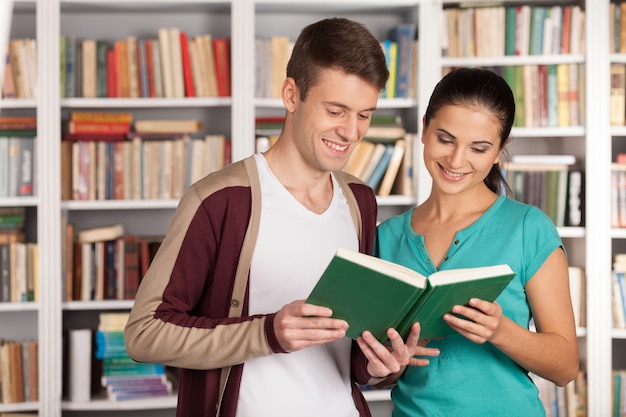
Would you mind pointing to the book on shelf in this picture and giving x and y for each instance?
(19, 374)
(79, 364)
(404, 36)
(578, 294)
(359, 159)
(168, 126)
(377, 153)
(393, 168)
(8, 82)
(18, 122)
(221, 48)
(551, 183)
(404, 184)
(374, 294)
(618, 297)
(98, 234)
(381, 167)
(618, 94)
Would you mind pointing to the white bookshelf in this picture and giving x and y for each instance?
(590, 246)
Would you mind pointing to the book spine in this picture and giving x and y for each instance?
(186, 63)
(221, 48)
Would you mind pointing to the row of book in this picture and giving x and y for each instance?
(98, 365)
(20, 69)
(550, 95)
(400, 48)
(567, 401)
(513, 30)
(105, 263)
(19, 272)
(19, 371)
(170, 64)
(139, 167)
(387, 167)
(550, 182)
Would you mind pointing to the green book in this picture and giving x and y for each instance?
(374, 294)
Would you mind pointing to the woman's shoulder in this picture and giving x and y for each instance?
(528, 213)
(396, 222)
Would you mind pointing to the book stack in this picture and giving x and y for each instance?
(12, 224)
(169, 64)
(550, 182)
(20, 71)
(266, 131)
(97, 126)
(122, 377)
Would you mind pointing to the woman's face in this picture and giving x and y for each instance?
(461, 144)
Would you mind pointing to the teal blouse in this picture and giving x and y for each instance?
(469, 379)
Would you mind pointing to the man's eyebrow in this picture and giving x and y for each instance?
(344, 106)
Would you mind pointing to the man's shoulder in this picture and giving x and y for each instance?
(233, 175)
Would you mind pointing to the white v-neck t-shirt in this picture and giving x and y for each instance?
(294, 246)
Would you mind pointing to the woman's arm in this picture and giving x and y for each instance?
(552, 351)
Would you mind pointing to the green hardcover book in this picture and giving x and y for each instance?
(374, 294)
(509, 39)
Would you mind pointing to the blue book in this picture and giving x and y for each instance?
(403, 35)
(379, 171)
(70, 63)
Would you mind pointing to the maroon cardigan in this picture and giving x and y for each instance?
(191, 310)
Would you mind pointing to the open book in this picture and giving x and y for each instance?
(374, 294)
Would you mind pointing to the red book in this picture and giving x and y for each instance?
(90, 137)
(221, 48)
(131, 266)
(187, 75)
(150, 64)
(96, 127)
(567, 18)
(111, 74)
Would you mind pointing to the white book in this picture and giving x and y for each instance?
(544, 159)
(80, 365)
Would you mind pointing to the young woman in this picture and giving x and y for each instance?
(482, 369)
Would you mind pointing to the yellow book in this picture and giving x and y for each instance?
(562, 82)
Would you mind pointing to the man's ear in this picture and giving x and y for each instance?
(290, 94)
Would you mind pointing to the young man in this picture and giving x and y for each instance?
(223, 297)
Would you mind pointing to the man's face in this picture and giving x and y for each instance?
(333, 119)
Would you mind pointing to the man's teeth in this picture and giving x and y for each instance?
(335, 146)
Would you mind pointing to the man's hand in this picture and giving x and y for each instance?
(299, 325)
